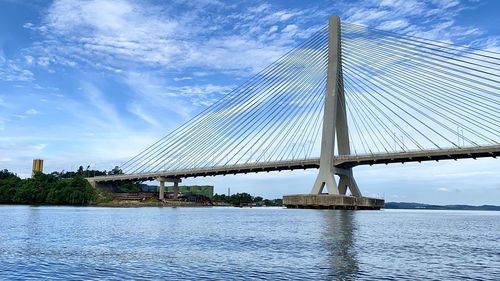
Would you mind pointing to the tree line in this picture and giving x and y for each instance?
(71, 188)
(87, 173)
(244, 198)
(46, 189)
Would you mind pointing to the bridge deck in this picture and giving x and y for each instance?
(343, 161)
(417, 156)
(214, 171)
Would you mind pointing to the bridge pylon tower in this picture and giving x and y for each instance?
(334, 122)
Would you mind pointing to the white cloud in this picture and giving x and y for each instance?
(491, 44)
(365, 16)
(200, 73)
(183, 78)
(205, 94)
(291, 29)
(404, 7)
(28, 25)
(39, 147)
(125, 33)
(445, 4)
(284, 16)
(150, 91)
(12, 71)
(118, 19)
(200, 96)
(427, 19)
(159, 96)
(80, 132)
(98, 100)
(32, 111)
(393, 25)
(139, 112)
(29, 60)
(443, 189)
(273, 29)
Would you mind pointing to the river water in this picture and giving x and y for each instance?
(62, 243)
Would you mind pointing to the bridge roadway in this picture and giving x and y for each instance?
(342, 161)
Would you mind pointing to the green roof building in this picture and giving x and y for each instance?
(205, 190)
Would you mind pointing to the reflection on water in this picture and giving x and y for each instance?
(339, 239)
(62, 243)
(30, 232)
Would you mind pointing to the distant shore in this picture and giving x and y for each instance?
(420, 206)
(130, 204)
(389, 205)
(182, 204)
(165, 203)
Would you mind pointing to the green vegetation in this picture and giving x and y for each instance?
(273, 202)
(235, 199)
(71, 188)
(45, 189)
(128, 187)
(103, 196)
(239, 199)
(204, 190)
(86, 173)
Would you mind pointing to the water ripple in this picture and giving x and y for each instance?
(61, 243)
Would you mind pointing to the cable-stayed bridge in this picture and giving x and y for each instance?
(347, 96)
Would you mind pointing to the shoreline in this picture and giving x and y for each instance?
(184, 204)
(132, 204)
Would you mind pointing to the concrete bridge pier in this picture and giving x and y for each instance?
(176, 190)
(162, 190)
(347, 181)
(335, 127)
(162, 181)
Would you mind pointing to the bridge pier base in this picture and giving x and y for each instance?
(331, 201)
(162, 181)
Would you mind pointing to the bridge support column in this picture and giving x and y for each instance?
(176, 190)
(162, 181)
(334, 121)
(347, 181)
(162, 190)
(325, 178)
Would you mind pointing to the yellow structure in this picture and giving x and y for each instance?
(37, 166)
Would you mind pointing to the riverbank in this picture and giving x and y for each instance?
(421, 206)
(149, 203)
(127, 204)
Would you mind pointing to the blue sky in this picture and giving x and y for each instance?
(95, 82)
